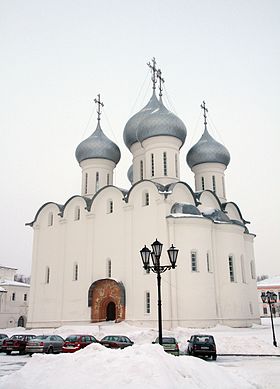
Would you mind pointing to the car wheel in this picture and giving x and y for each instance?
(50, 350)
(8, 352)
(214, 357)
(21, 352)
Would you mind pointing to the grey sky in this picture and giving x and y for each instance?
(56, 56)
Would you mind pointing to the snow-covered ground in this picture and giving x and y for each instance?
(146, 365)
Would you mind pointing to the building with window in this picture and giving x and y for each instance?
(14, 299)
(86, 264)
(271, 284)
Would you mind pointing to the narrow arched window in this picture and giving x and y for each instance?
(147, 302)
(109, 268)
(164, 164)
(208, 262)
(152, 165)
(50, 219)
(75, 272)
(253, 271)
(202, 183)
(108, 179)
(214, 184)
(96, 182)
(231, 268)
(194, 261)
(110, 206)
(47, 275)
(77, 214)
(176, 166)
(146, 198)
(141, 170)
(223, 185)
(86, 183)
(243, 274)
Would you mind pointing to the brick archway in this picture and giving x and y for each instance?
(103, 292)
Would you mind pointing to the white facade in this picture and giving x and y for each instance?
(14, 299)
(86, 261)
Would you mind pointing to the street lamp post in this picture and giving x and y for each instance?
(270, 298)
(157, 268)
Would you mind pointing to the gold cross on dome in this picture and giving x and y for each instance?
(99, 105)
(161, 81)
(154, 71)
(203, 106)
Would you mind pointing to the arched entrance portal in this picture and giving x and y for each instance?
(107, 300)
(111, 311)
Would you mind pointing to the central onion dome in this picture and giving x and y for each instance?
(97, 145)
(161, 122)
(131, 127)
(207, 149)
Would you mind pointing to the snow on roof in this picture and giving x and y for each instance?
(12, 283)
(272, 281)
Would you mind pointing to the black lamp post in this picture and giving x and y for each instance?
(270, 298)
(158, 268)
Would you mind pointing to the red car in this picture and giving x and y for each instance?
(16, 343)
(76, 342)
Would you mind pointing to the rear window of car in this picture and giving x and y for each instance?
(168, 340)
(204, 339)
(72, 338)
(18, 337)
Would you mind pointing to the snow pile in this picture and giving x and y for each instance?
(140, 366)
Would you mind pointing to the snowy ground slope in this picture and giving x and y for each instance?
(147, 366)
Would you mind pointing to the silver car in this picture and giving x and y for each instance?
(45, 344)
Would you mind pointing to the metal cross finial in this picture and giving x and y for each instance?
(154, 71)
(203, 106)
(161, 81)
(99, 105)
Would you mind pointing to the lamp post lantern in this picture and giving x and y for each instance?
(157, 268)
(270, 298)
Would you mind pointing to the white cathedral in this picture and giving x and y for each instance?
(86, 263)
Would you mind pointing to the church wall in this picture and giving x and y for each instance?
(195, 290)
(234, 297)
(208, 171)
(46, 288)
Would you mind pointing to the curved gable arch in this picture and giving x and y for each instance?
(139, 187)
(57, 209)
(207, 200)
(108, 192)
(73, 201)
(182, 192)
(233, 212)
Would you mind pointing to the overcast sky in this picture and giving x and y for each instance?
(56, 56)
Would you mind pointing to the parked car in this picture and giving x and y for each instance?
(45, 344)
(2, 338)
(202, 345)
(76, 342)
(170, 345)
(16, 343)
(116, 341)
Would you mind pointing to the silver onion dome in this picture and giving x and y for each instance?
(161, 122)
(207, 149)
(131, 127)
(97, 145)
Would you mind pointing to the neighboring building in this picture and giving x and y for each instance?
(14, 298)
(86, 263)
(271, 284)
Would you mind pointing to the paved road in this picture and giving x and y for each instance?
(11, 363)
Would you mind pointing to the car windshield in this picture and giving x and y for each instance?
(72, 338)
(112, 338)
(19, 337)
(204, 339)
